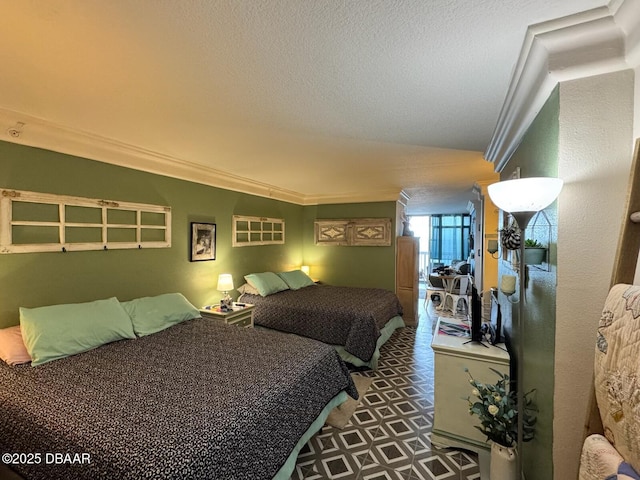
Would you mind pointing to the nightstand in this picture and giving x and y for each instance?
(241, 316)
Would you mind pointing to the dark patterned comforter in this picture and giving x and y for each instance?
(200, 400)
(347, 316)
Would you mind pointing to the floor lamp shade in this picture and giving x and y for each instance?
(525, 194)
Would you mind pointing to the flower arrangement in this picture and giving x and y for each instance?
(498, 411)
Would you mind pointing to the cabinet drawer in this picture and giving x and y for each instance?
(243, 321)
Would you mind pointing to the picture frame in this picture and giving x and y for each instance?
(203, 242)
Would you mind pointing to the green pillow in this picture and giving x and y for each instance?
(153, 314)
(296, 279)
(57, 331)
(266, 283)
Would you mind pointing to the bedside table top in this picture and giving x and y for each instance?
(236, 308)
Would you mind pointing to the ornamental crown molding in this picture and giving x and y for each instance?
(480, 186)
(32, 131)
(403, 198)
(598, 41)
(377, 196)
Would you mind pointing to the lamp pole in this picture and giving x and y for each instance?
(522, 219)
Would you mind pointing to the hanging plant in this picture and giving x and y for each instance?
(510, 237)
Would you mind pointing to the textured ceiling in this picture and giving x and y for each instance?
(322, 98)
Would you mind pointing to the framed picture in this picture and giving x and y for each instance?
(203, 241)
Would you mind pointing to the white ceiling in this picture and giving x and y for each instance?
(323, 99)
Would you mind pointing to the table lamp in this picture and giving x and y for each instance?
(225, 284)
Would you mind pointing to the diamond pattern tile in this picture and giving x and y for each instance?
(339, 465)
(389, 434)
(433, 466)
(392, 453)
(373, 471)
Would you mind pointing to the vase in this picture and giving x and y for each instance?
(534, 255)
(503, 462)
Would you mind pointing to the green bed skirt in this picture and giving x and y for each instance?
(385, 333)
(289, 466)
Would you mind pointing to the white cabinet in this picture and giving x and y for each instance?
(453, 425)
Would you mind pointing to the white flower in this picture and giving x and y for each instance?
(475, 392)
(493, 410)
(497, 397)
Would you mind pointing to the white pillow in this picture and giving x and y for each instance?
(246, 288)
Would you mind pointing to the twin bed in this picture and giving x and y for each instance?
(192, 398)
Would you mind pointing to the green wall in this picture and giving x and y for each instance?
(345, 265)
(36, 279)
(537, 155)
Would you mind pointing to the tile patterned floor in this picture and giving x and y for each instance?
(388, 436)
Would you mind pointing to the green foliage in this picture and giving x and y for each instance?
(497, 410)
(531, 243)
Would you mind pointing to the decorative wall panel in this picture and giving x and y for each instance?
(249, 231)
(354, 232)
(42, 222)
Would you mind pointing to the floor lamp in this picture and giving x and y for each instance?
(523, 198)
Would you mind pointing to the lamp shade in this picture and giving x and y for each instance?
(305, 269)
(525, 194)
(225, 282)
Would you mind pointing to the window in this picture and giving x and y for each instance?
(421, 226)
(449, 239)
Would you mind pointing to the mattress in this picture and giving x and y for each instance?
(348, 316)
(199, 400)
